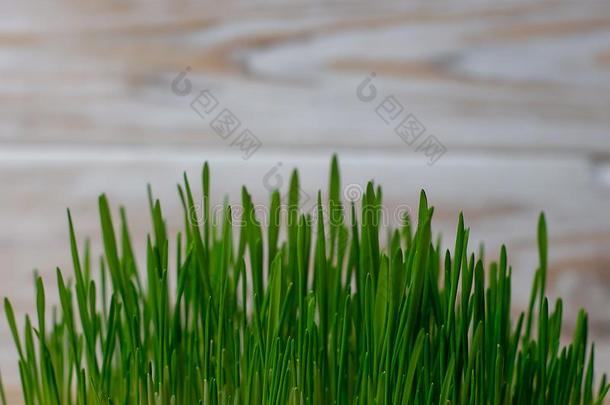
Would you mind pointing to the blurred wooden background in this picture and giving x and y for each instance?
(517, 92)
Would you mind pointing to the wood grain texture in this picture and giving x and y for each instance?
(482, 76)
(518, 93)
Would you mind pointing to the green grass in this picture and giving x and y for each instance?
(302, 312)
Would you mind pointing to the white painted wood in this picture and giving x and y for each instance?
(518, 93)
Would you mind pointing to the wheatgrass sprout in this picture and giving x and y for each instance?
(296, 311)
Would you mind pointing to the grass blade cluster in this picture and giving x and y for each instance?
(296, 311)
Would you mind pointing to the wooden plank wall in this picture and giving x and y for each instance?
(517, 93)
